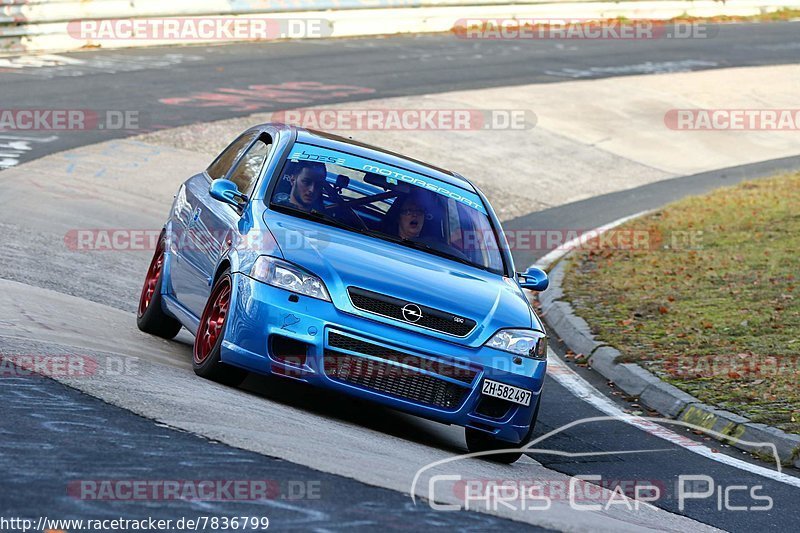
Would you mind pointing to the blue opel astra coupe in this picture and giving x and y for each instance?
(341, 265)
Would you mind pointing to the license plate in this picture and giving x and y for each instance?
(506, 392)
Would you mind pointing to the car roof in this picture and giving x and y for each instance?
(344, 144)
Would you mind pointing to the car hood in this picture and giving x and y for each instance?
(347, 259)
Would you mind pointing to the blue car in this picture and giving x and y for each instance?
(319, 259)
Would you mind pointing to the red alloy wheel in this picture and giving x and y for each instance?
(213, 320)
(151, 281)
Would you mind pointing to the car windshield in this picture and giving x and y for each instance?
(389, 203)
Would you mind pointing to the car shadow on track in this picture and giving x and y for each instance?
(348, 410)
(355, 411)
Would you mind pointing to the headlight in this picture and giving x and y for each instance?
(279, 273)
(525, 342)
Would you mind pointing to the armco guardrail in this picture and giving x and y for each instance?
(40, 11)
(40, 25)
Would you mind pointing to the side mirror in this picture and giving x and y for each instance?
(226, 191)
(534, 279)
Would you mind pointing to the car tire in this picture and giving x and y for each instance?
(478, 441)
(206, 351)
(150, 316)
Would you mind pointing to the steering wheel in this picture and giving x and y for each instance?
(449, 249)
(352, 214)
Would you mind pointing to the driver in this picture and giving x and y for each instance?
(307, 178)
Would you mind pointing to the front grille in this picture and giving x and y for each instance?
(390, 307)
(345, 342)
(394, 380)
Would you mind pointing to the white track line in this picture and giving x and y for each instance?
(553, 256)
(578, 386)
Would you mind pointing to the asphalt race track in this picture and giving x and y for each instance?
(357, 457)
(143, 79)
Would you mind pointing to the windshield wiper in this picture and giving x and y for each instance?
(318, 216)
(322, 217)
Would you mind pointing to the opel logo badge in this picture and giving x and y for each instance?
(412, 313)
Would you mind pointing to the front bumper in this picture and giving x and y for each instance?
(272, 331)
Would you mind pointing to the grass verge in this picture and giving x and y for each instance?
(707, 297)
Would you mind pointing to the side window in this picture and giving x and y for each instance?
(248, 169)
(222, 164)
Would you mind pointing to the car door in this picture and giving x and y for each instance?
(204, 225)
(224, 223)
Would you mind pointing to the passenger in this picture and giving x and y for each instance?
(409, 219)
(307, 178)
(412, 219)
